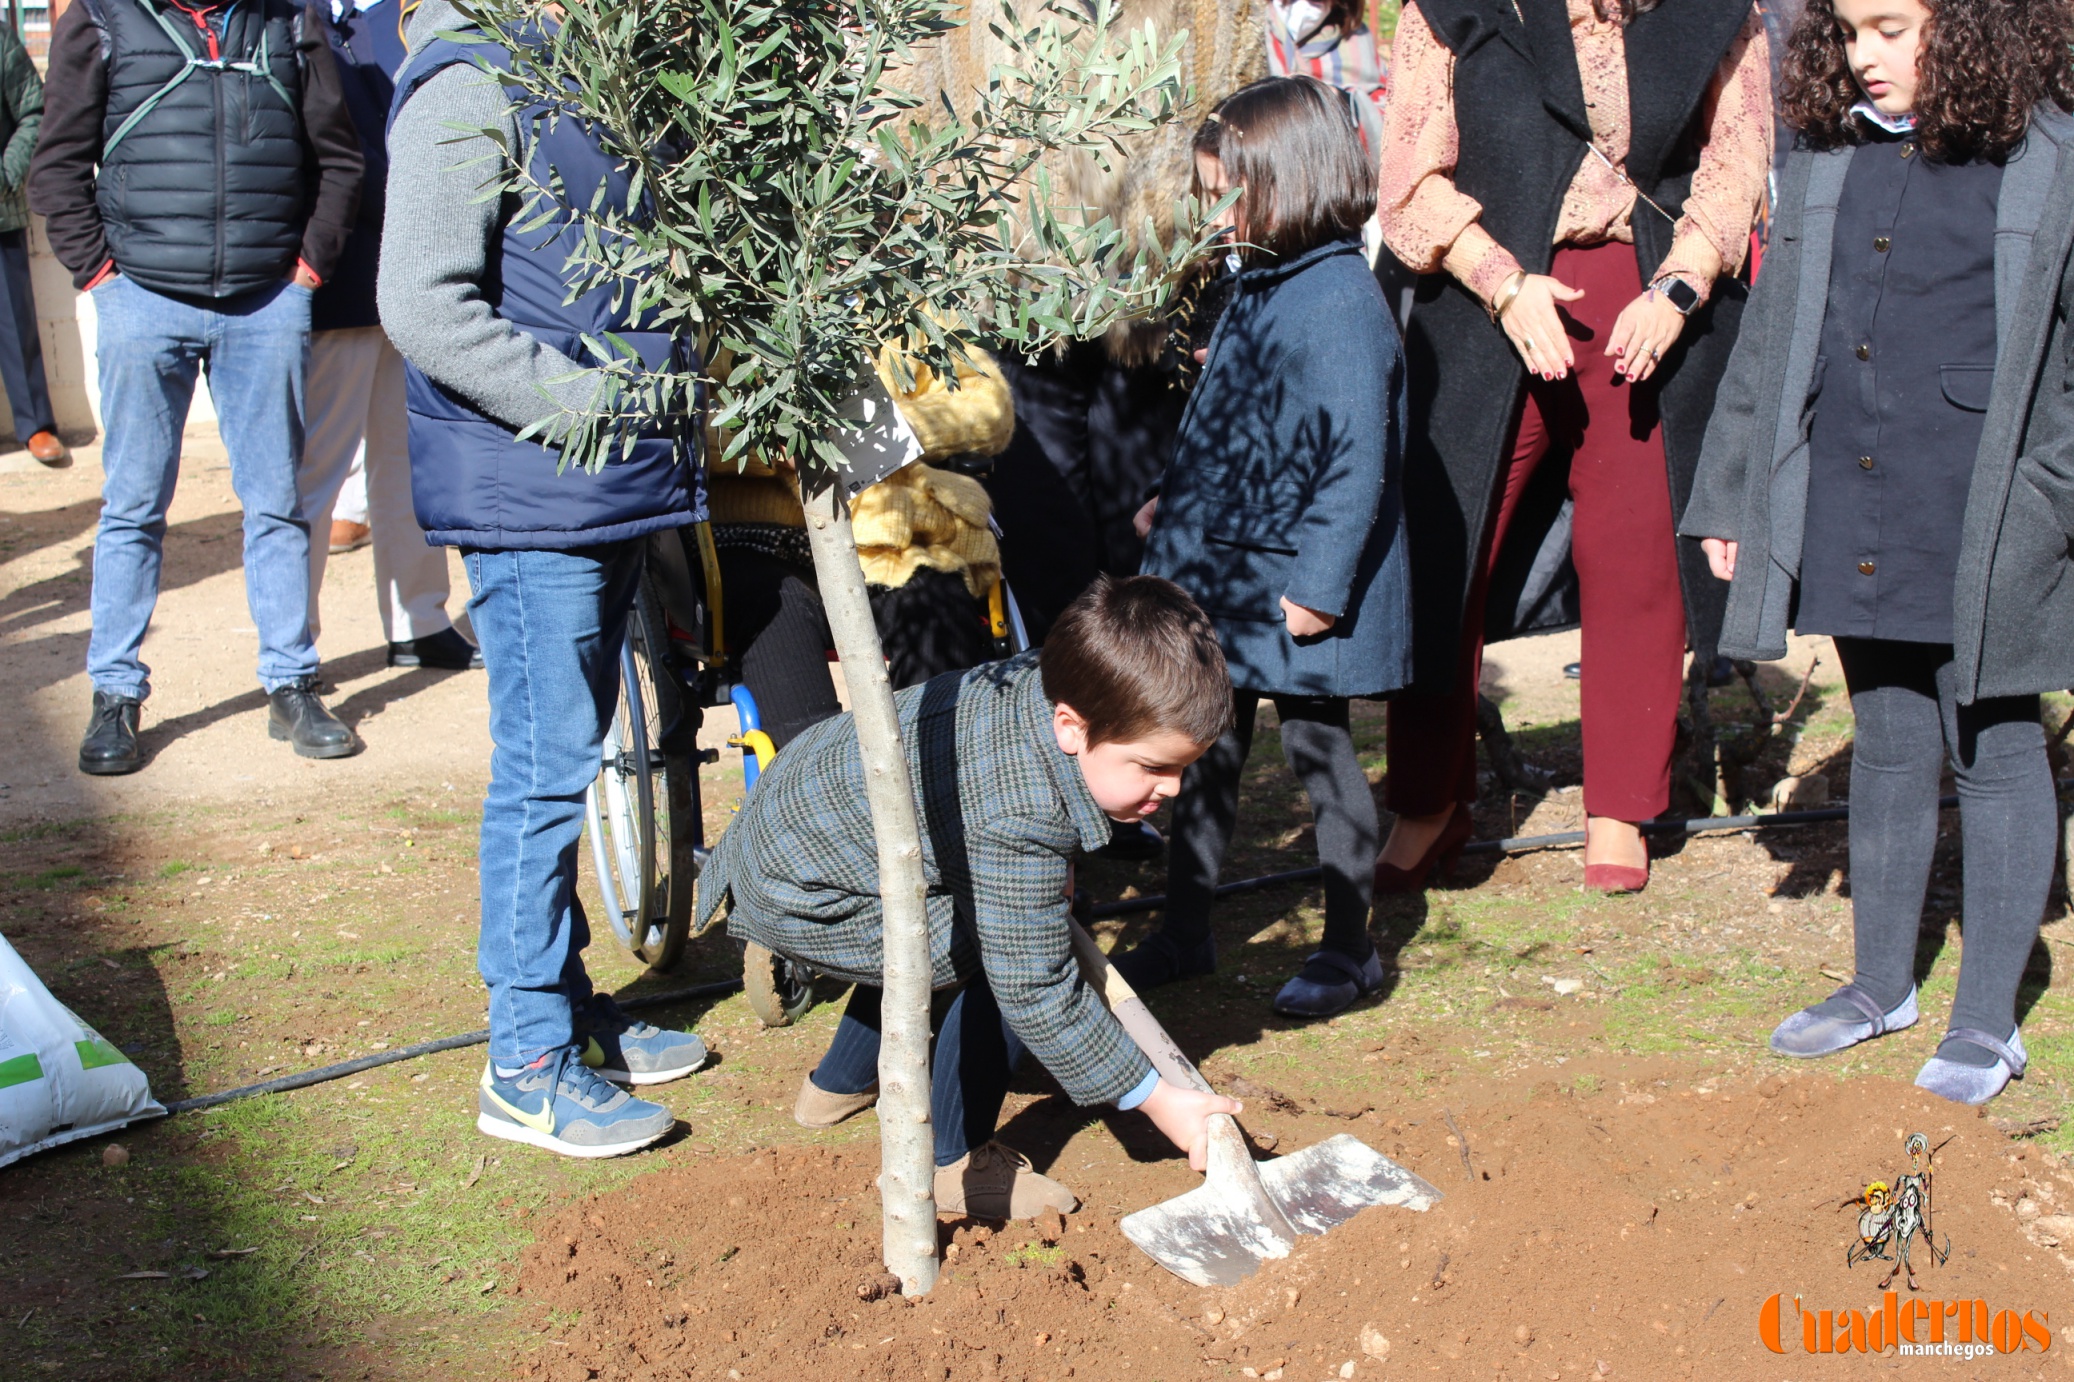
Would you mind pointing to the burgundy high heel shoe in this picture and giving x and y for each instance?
(1615, 878)
(1618, 878)
(1439, 856)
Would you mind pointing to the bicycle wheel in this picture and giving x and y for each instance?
(642, 809)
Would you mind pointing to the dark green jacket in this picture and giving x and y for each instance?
(21, 116)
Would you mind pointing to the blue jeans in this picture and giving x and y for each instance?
(975, 1056)
(551, 625)
(151, 348)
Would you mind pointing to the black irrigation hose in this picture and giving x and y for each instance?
(1518, 844)
(326, 1073)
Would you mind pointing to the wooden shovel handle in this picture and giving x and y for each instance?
(1137, 1019)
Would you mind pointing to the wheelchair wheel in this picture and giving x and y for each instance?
(779, 990)
(642, 812)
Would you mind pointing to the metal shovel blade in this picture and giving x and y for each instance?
(1219, 1233)
(1321, 1187)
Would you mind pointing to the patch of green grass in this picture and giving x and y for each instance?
(378, 956)
(42, 830)
(174, 868)
(224, 1018)
(51, 877)
(1034, 1255)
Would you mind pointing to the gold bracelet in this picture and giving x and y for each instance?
(1507, 292)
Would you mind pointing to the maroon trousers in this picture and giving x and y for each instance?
(1625, 551)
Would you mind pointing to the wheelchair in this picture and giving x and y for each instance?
(643, 812)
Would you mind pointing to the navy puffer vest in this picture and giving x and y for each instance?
(474, 482)
(204, 184)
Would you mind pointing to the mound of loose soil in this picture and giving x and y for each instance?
(1632, 1233)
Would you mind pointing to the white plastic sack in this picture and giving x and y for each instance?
(59, 1079)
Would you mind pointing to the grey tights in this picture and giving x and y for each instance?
(1319, 744)
(1909, 721)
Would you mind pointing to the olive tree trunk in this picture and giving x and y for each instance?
(906, 1141)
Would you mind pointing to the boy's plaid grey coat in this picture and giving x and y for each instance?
(1003, 813)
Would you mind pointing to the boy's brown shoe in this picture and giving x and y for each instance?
(817, 1108)
(995, 1182)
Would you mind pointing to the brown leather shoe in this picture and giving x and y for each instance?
(46, 447)
(817, 1108)
(995, 1181)
(348, 536)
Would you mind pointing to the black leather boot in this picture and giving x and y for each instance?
(295, 713)
(110, 747)
(445, 651)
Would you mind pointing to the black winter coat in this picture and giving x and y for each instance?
(208, 189)
(1520, 114)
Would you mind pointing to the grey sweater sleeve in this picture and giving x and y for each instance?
(436, 245)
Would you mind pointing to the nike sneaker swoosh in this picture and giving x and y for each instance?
(541, 1122)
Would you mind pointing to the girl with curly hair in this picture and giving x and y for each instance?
(1891, 463)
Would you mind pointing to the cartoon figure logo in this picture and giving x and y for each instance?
(1890, 1218)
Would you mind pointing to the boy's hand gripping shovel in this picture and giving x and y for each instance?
(1244, 1212)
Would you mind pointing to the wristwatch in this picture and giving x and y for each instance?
(1677, 292)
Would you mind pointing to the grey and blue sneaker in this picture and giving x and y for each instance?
(561, 1104)
(1328, 983)
(1840, 1021)
(627, 1050)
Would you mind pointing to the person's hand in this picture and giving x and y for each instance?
(1141, 521)
(1721, 557)
(1303, 621)
(1535, 328)
(1183, 1115)
(303, 278)
(1645, 329)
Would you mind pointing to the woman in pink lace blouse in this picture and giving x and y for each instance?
(1578, 180)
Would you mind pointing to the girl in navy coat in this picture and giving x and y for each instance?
(1280, 513)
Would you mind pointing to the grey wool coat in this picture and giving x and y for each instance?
(2013, 604)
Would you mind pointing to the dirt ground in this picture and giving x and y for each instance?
(1633, 1232)
(1629, 1175)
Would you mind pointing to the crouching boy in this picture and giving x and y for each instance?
(1018, 766)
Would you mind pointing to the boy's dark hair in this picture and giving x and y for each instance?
(1136, 657)
(1294, 144)
(1984, 65)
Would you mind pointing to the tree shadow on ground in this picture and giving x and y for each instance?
(156, 736)
(76, 1224)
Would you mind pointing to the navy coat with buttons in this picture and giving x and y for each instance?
(1286, 481)
(2012, 610)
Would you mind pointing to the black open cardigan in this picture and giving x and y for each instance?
(1520, 115)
